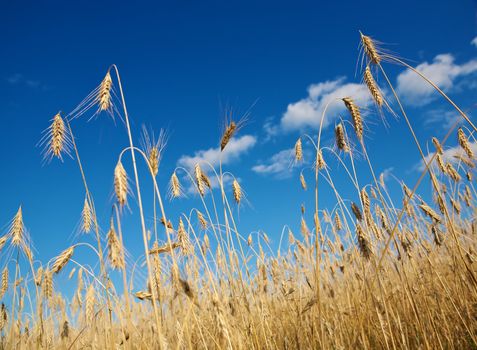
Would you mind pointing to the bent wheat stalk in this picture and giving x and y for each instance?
(139, 199)
(443, 94)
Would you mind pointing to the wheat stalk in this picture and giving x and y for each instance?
(455, 204)
(298, 150)
(355, 115)
(430, 212)
(62, 259)
(199, 178)
(90, 302)
(341, 138)
(183, 239)
(206, 244)
(3, 240)
(320, 161)
(154, 149)
(39, 276)
(169, 223)
(366, 204)
(80, 280)
(438, 146)
(453, 174)
(114, 248)
(175, 186)
(143, 295)
(305, 231)
(153, 158)
(370, 49)
(17, 229)
(373, 87)
(440, 164)
(363, 242)
(338, 224)
(120, 183)
(438, 237)
(228, 134)
(104, 95)
(303, 181)
(4, 286)
(202, 220)
(164, 249)
(47, 284)
(59, 139)
(87, 217)
(206, 180)
(382, 217)
(237, 191)
(356, 211)
(65, 333)
(3, 317)
(464, 143)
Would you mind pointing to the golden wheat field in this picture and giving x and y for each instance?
(379, 273)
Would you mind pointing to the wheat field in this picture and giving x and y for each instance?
(384, 272)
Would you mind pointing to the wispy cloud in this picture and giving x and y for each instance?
(443, 71)
(474, 41)
(19, 79)
(270, 128)
(308, 111)
(441, 118)
(15, 78)
(279, 165)
(387, 173)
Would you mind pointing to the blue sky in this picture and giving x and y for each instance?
(182, 64)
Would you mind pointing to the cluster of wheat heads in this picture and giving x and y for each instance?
(373, 272)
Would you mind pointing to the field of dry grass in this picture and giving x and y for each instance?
(384, 272)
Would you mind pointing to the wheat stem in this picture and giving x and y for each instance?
(139, 199)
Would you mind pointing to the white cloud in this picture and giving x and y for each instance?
(15, 78)
(474, 41)
(308, 111)
(387, 173)
(270, 128)
(279, 164)
(234, 150)
(443, 119)
(19, 79)
(443, 71)
(450, 155)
